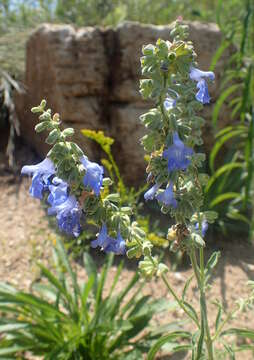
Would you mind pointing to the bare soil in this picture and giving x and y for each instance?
(26, 237)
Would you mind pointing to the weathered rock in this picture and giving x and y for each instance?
(127, 131)
(91, 77)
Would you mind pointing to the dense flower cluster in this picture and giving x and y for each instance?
(178, 155)
(65, 206)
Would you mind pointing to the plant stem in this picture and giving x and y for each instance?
(200, 276)
(223, 323)
(172, 292)
(179, 301)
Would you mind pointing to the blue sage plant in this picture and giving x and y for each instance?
(77, 191)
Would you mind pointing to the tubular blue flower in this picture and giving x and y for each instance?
(203, 95)
(94, 175)
(109, 244)
(102, 238)
(58, 192)
(199, 76)
(41, 176)
(150, 194)
(177, 154)
(68, 216)
(204, 227)
(167, 197)
(116, 246)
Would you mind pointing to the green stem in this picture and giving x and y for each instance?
(223, 323)
(200, 276)
(179, 301)
(172, 292)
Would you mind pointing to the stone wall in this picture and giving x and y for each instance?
(91, 77)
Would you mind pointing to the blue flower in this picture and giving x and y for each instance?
(58, 192)
(109, 244)
(41, 176)
(102, 239)
(199, 76)
(177, 154)
(204, 227)
(167, 197)
(150, 194)
(116, 246)
(93, 176)
(169, 103)
(202, 95)
(68, 215)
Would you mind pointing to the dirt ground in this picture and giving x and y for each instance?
(25, 237)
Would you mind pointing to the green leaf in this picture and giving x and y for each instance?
(57, 284)
(230, 351)
(191, 310)
(76, 149)
(221, 141)
(200, 341)
(211, 263)
(245, 333)
(65, 261)
(218, 317)
(53, 137)
(224, 197)
(223, 169)
(41, 126)
(223, 46)
(237, 216)
(13, 350)
(249, 160)
(197, 240)
(221, 101)
(186, 286)
(133, 355)
(68, 132)
(12, 327)
(165, 339)
(91, 270)
(102, 279)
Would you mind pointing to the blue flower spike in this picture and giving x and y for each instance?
(41, 173)
(200, 77)
(167, 197)
(178, 155)
(68, 215)
(94, 175)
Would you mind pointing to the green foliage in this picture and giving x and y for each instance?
(230, 188)
(63, 319)
(128, 196)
